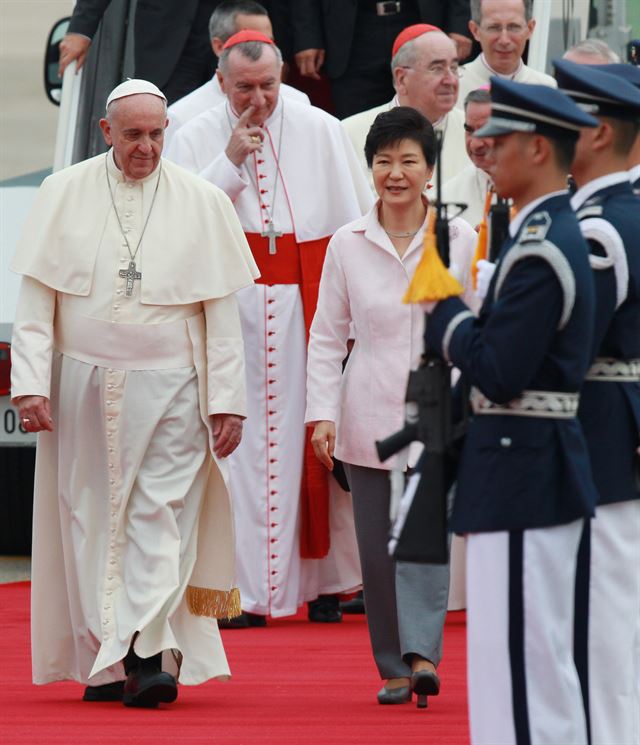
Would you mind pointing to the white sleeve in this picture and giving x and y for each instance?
(225, 357)
(224, 174)
(328, 342)
(32, 342)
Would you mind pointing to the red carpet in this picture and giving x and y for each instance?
(294, 683)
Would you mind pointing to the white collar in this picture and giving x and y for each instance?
(518, 220)
(510, 76)
(439, 124)
(369, 224)
(634, 173)
(602, 182)
(119, 176)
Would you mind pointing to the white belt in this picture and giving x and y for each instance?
(608, 369)
(124, 346)
(545, 404)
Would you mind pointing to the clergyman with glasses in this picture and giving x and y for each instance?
(502, 28)
(426, 76)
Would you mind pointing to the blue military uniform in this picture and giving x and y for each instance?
(524, 481)
(607, 583)
(520, 469)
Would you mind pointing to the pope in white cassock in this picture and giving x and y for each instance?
(294, 180)
(128, 359)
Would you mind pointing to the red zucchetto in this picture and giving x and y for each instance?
(246, 35)
(408, 34)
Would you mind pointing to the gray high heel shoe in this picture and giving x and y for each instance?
(400, 695)
(424, 683)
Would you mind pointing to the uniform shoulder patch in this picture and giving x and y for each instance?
(594, 210)
(535, 228)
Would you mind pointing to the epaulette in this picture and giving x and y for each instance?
(535, 228)
(591, 208)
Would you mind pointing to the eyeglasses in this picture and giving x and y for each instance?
(511, 29)
(438, 70)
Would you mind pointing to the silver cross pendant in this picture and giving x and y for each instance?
(271, 233)
(130, 275)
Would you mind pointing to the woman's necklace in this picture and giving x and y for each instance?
(409, 234)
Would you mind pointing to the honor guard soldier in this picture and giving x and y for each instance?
(524, 481)
(630, 73)
(608, 578)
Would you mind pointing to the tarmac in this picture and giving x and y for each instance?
(27, 118)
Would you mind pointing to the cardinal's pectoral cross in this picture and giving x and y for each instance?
(130, 275)
(271, 233)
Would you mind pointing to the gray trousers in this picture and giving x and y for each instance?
(406, 602)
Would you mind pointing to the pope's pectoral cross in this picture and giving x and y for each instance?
(131, 275)
(271, 233)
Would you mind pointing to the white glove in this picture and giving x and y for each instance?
(429, 307)
(485, 273)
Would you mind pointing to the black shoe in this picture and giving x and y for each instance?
(326, 609)
(424, 683)
(146, 685)
(353, 606)
(106, 692)
(243, 621)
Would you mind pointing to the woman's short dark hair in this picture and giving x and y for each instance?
(401, 123)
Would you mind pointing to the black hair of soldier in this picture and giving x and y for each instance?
(625, 132)
(397, 124)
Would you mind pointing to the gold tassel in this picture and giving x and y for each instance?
(431, 280)
(202, 601)
(483, 233)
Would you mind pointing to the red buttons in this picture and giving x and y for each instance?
(271, 364)
(271, 382)
(272, 429)
(271, 349)
(274, 556)
(270, 398)
(270, 318)
(260, 162)
(273, 460)
(272, 494)
(271, 300)
(263, 191)
(274, 525)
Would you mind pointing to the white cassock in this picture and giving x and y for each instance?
(469, 187)
(133, 529)
(206, 97)
(454, 153)
(319, 188)
(477, 73)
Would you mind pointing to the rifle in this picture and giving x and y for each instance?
(499, 216)
(420, 533)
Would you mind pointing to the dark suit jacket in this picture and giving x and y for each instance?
(329, 25)
(161, 30)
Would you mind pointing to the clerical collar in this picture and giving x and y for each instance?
(511, 76)
(441, 123)
(274, 116)
(117, 174)
(634, 174)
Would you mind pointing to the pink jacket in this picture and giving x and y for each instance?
(363, 282)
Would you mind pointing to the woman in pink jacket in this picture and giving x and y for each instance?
(367, 270)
